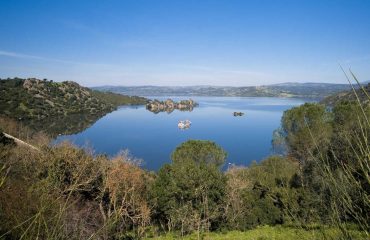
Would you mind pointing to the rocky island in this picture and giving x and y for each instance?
(169, 105)
(238, 114)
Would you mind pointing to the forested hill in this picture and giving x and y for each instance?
(303, 90)
(49, 106)
(349, 96)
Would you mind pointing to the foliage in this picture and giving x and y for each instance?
(188, 193)
(265, 193)
(118, 99)
(300, 124)
(334, 155)
(123, 202)
(199, 151)
(65, 192)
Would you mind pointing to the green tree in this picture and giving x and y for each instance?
(300, 125)
(188, 193)
(346, 166)
(350, 132)
(308, 132)
(199, 151)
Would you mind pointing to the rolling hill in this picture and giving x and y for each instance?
(303, 90)
(57, 107)
(349, 95)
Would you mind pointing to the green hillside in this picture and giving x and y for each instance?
(45, 105)
(349, 96)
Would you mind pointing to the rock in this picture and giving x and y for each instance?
(169, 105)
(238, 114)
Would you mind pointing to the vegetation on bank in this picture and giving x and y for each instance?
(47, 105)
(319, 190)
(118, 99)
(361, 93)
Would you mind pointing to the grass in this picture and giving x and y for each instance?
(269, 233)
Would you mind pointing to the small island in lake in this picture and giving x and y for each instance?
(169, 105)
(238, 114)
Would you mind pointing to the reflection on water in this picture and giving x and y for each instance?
(153, 137)
(64, 125)
(184, 124)
(169, 110)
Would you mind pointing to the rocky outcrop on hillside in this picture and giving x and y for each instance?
(63, 98)
(169, 105)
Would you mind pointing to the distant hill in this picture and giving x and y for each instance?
(303, 90)
(48, 105)
(348, 96)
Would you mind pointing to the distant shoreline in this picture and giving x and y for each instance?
(286, 90)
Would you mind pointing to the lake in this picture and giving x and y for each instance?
(152, 137)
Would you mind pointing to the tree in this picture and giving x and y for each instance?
(350, 132)
(307, 129)
(346, 166)
(188, 193)
(199, 151)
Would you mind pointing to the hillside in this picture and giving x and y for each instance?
(303, 90)
(348, 96)
(45, 104)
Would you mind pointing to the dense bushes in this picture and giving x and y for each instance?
(263, 194)
(64, 192)
(334, 159)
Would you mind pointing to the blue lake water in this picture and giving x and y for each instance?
(152, 137)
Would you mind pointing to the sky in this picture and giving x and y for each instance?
(185, 42)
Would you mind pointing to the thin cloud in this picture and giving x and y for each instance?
(26, 56)
(20, 55)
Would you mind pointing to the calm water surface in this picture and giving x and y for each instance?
(152, 137)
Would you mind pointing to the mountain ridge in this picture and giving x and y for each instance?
(230, 86)
(289, 89)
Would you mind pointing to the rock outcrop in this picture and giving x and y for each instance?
(238, 114)
(169, 105)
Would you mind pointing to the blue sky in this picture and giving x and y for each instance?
(153, 42)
